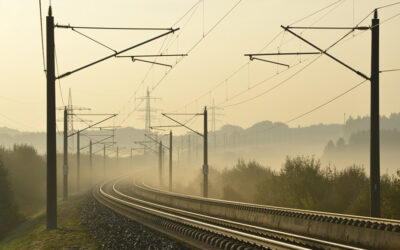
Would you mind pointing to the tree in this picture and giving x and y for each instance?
(9, 215)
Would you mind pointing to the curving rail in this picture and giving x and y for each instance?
(371, 233)
(203, 223)
(190, 232)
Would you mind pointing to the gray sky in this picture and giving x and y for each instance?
(114, 85)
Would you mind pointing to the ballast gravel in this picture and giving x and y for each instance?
(113, 231)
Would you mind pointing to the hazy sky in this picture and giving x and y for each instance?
(114, 86)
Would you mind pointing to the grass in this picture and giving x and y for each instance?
(69, 235)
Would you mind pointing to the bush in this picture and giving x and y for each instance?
(9, 215)
(27, 177)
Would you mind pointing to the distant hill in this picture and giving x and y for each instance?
(356, 149)
(268, 142)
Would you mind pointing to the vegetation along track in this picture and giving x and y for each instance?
(195, 229)
(365, 232)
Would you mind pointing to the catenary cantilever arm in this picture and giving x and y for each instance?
(94, 124)
(183, 125)
(115, 54)
(326, 53)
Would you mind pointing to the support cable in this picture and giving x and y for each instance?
(264, 81)
(106, 28)
(161, 48)
(41, 34)
(59, 80)
(267, 45)
(389, 70)
(327, 54)
(117, 53)
(187, 12)
(319, 106)
(319, 19)
(270, 89)
(386, 20)
(249, 99)
(194, 8)
(316, 12)
(93, 40)
(389, 5)
(196, 44)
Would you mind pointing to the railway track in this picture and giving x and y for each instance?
(366, 232)
(194, 227)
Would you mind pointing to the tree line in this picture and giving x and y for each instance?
(302, 183)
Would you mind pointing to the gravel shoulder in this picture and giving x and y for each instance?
(71, 234)
(113, 231)
(86, 224)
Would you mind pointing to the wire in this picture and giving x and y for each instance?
(231, 75)
(17, 122)
(194, 8)
(131, 112)
(380, 24)
(187, 12)
(215, 25)
(317, 107)
(88, 37)
(314, 13)
(41, 34)
(17, 101)
(279, 84)
(274, 87)
(203, 16)
(58, 131)
(59, 81)
(106, 28)
(319, 19)
(197, 43)
(386, 20)
(389, 70)
(326, 103)
(268, 44)
(82, 120)
(389, 5)
(263, 81)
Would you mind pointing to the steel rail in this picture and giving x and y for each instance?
(247, 228)
(199, 225)
(346, 229)
(241, 226)
(307, 212)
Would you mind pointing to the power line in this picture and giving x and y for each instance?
(272, 88)
(107, 28)
(17, 122)
(161, 48)
(279, 84)
(389, 5)
(187, 12)
(92, 39)
(197, 43)
(327, 102)
(268, 44)
(41, 34)
(231, 75)
(320, 106)
(386, 20)
(214, 26)
(363, 31)
(59, 80)
(191, 49)
(338, 3)
(316, 12)
(389, 70)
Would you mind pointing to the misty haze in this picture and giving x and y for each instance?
(200, 124)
